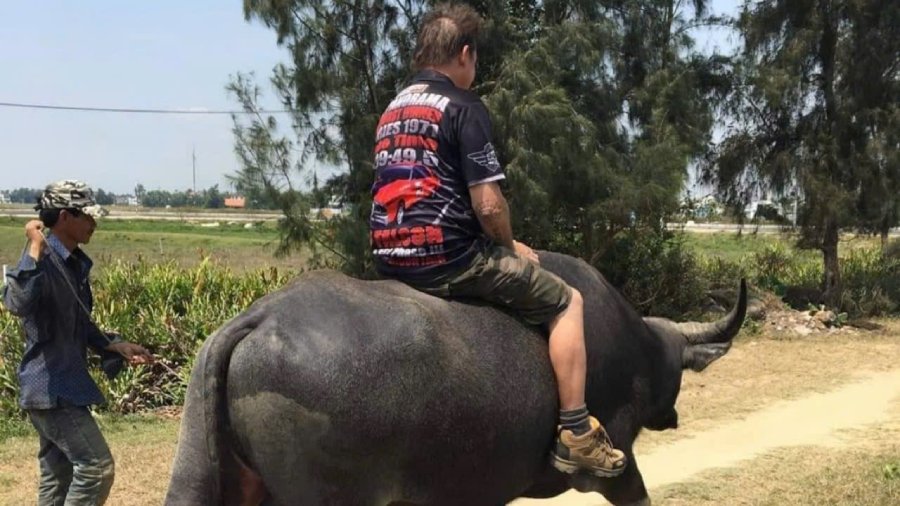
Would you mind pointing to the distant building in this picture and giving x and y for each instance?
(235, 202)
(127, 200)
(4, 198)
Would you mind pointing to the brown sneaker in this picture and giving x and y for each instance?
(591, 452)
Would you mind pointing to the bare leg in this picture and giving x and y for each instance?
(582, 443)
(567, 353)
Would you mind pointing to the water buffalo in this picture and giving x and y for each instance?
(336, 391)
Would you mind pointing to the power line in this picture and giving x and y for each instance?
(131, 110)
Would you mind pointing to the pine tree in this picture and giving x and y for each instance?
(818, 89)
(598, 107)
(600, 116)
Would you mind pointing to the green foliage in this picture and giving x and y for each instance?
(347, 60)
(598, 109)
(891, 471)
(814, 106)
(772, 267)
(209, 198)
(891, 249)
(104, 198)
(871, 279)
(15, 426)
(11, 350)
(169, 310)
(769, 213)
(872, 283)
(577, 177)
(656, 272)
(140, 192)
(24, 195)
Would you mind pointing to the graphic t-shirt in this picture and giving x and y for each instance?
(433, 142)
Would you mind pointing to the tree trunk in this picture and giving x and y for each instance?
(587, 236)
(831, 286)
(831, 289)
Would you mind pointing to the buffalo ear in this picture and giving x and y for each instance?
(697, 356)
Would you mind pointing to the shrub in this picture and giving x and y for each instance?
(871, 279)
(656, 272)
(772, 267)
(871, 283)
(721, 273)
(892, 249)
(167, 309)
(11, 349)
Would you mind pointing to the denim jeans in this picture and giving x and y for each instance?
(75, 463)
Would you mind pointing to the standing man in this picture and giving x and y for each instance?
(50, 290)
(441, 224)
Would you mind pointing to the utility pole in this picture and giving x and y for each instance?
(194, 167)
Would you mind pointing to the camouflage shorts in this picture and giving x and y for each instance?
(499, 276)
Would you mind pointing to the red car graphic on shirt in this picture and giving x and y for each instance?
(400, 187)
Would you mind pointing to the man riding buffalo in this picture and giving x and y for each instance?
(438, 124)
(341, 391)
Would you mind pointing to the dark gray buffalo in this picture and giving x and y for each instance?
(335, 391)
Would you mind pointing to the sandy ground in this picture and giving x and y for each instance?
(817, 419)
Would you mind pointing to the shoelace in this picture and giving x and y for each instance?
(605, 447)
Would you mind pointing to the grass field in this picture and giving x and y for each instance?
(242, 248)
(733, 246)
(161, 241)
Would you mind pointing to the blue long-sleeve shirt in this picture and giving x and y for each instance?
(57, 330)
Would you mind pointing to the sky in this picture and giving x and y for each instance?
(161, 54)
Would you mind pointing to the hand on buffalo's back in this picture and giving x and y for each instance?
(525, 251)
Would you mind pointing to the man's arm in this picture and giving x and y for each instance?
(23, 288)
(103, 342)
(112, 343)
(99, 340)
(492, 211)
(481, 169)
(133, 353)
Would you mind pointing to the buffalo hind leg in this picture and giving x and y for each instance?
(244, 486)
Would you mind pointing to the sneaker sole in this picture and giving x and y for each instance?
(570, 467)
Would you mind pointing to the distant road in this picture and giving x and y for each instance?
(711, 228)
(117, 213)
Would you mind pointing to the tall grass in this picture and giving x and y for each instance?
(670, 276)
(167, 309)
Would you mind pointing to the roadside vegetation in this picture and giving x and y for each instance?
(166, 308)
(172, 301)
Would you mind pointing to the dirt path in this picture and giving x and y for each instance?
(817, 419)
